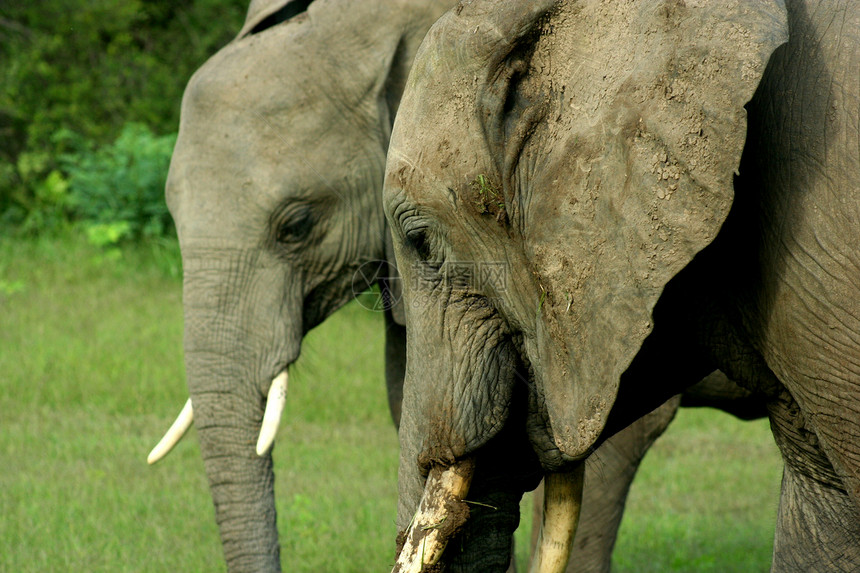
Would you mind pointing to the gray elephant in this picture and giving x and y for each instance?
(237, 185)
(275, 189)
(593, 205)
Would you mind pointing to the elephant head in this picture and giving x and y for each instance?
(275, 189)
(553, 166)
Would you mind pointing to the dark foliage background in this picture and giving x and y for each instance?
(90, 92)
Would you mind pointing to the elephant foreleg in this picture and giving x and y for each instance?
(818, 526)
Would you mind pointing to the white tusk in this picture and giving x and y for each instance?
(561, 507)
(173, 435)
(272, 417)
(435, 522)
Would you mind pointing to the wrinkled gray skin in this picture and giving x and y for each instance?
(238, 164)
(275, 188)
(590, 147)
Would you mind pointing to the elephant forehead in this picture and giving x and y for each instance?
(432, 159)
(252, 76)
(300, 66)
(438, 135)
(407, 174)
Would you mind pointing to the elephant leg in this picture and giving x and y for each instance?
(608, 475)
(818, 525)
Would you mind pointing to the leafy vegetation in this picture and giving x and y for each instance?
(118, 189)
(90, 350)
(76, 76)
(488, 199)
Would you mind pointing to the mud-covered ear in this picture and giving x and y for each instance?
(391, 284)
(263, 14)
(635, 164)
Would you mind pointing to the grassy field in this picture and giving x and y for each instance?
(91, 362)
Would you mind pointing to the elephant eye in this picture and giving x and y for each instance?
(295, 225)
(417, 240)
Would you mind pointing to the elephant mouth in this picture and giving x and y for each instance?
(454, 487)
(444, 510)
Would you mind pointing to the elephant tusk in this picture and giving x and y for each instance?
(272, 417)
(173, 435)
(562, 503)
(440, 514)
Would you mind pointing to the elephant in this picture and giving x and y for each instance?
(275, 188)
(595, 204)
(226, 102)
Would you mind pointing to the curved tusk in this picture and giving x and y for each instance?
(440, 514)
(562, 503)
(173, 435)
(272, 417)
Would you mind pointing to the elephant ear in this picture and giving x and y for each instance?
(643, 128)
(264, 14)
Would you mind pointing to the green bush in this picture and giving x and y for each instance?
(91, 68)
(117, 190)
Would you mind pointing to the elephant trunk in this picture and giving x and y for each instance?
(469, 504)
(236, 343)
(241, 482)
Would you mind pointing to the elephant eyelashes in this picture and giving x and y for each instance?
(296, 225)
(417, 241)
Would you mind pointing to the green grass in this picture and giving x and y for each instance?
(705, 499)
(92, 374)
